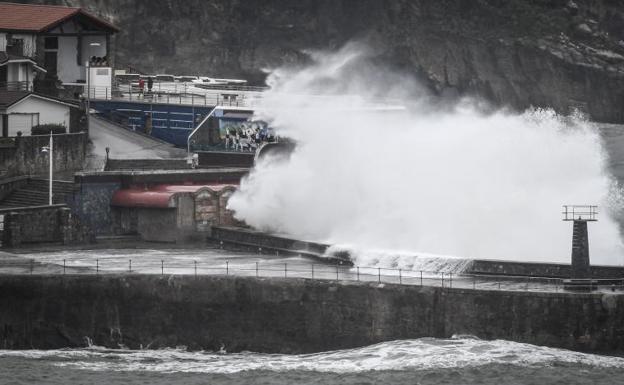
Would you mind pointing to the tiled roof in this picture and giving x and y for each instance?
(8, 98)
(39, 18)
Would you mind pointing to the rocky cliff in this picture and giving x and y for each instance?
(557, 53)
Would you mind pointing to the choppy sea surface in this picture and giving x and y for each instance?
(460, 360)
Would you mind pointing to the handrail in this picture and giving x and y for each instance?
(316, 271)
(188, 140)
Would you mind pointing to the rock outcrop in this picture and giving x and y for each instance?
(556, 53)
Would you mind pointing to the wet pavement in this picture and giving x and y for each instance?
(214, 261)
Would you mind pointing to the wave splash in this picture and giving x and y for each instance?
(439, 178)
(406, 355)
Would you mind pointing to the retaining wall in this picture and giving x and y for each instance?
(42, 224)
(537, 269)
(23, 156)
(289, 315)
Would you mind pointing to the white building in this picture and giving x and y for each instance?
(52, 42)
(21, 110)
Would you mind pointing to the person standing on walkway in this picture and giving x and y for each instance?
(141, 86)
(150, 84)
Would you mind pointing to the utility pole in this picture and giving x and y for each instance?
(88, 104)
(49, 149)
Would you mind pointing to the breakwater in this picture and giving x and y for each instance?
(288, 315)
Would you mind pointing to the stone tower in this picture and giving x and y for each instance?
(580, 215)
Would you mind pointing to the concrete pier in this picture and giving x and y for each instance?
(289, 315)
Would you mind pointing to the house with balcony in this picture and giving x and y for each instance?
(49, 48)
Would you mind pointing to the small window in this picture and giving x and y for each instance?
(51, 42)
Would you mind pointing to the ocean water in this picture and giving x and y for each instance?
(459, 360)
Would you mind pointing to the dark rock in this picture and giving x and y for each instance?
(510, 52)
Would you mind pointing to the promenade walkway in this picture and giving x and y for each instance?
(202, 261)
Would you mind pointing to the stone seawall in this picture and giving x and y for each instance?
(23, 155)
(539, 269)
(288, 315)
(42, 224)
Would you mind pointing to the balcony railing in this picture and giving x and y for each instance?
(15, 86)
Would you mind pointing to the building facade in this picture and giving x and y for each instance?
(49, 47)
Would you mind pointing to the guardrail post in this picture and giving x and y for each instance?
(474, 282)
(400, 278)
(97, 266)
(336, 273)
(442, 279)
(162, 267)
(285, 270)
(256, 269)
(450, 280)
(498, 285)
(312, 271)
(379, 274)
(358, 274)
(195, 266)
(130, 266)
(227, 267)
(421, 278)
(63, 267)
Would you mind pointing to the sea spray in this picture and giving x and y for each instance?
(442, 178)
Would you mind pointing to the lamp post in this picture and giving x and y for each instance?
(49, 149)
(88, 104)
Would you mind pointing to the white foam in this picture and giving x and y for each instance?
(445, 181)
(420, 354)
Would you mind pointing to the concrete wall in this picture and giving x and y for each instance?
(45, 112)
(225, 159)
(68, 69)
(43, 224)
(96, 191)
(92, 205)
(167, 225)
(24, 157)
(242, 236)
(289, 316)
(538, 269)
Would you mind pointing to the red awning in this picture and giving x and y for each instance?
(158, 196)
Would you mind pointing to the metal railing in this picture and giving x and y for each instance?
(301, 270)
(16, 86)
(191, 96)
(580, 212)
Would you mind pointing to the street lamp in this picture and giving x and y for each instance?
(49, 149)
(87, 104)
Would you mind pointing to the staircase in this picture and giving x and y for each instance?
(35, 193)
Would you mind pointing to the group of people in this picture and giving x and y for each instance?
(247, 137)
(150, 84)
(96, 61)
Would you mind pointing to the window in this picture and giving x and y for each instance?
(51, 43)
